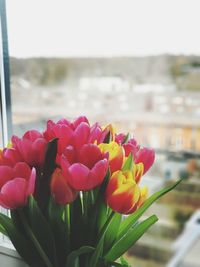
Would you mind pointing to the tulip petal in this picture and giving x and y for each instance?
(6, 174)
(13, 193)
(31, 183)
(22, 170)
(124, 199)
(32, 135)
(81, 135)
(116, 155)
(147, 157)
(61, 191)
(64, 122)
(69, 153)
(98, 173)
(38, 152)
(79, 120)
(95, 133)
(89, 154)
(10, 156)
(78, 176)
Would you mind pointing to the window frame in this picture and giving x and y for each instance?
(5, 95)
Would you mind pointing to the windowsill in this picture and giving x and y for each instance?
(9, 257)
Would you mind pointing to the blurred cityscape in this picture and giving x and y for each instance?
(155, 98)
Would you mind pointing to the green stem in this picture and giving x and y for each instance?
(96, 255)
(34, 239)
(67, 223)
(85, 205)
(67, 217)
(92, 196)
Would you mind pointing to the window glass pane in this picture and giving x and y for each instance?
(133, 63)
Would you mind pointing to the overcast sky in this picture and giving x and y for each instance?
(103, 27)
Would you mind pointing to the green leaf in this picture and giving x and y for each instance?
(99, 247)
(116, 264)
(43, 183)
(124, 262)
(41, 230)
(128, 166)
(2, 230)
(98, 213)
(50, 157)
(58, 226)
(79, 227)
(23, 246)
(102, 216)
(112, 264)
(112, 231)
(126, 139)
(132, 219)
(128, 240)
(74, 255)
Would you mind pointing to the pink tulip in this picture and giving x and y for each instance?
(146, 156)
(141, 155)
(31, 147)
(98, 134)
(16, 184)
(78, 121)
(131, 147)
(119, 138)
(9, 157)
(69, 134)
(81, 135)
(89, 171)
(61, 130)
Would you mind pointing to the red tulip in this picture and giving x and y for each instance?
(122, 192)
(31, 147)
(16, 184)
(116, 155)
(131, 147)
(61, 191)
(89, 171)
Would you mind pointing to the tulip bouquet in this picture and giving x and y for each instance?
(67, 189)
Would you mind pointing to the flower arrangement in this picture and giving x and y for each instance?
(67, 190)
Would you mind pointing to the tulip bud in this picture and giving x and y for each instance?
(31, 147)
(61, 191)
(122, 192)
(16, 184)
(116, 155)
(89, 171)
(146, 156)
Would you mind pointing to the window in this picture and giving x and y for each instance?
(112, 61)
